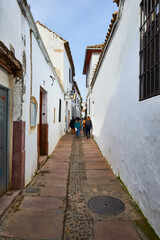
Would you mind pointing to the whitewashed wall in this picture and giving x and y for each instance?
(91, 68)
(41, 77)
(126, 130)
(90, 109)
(66, 67)
(8, 28)
(92, 65)
(90, 98)
(15, 30)
(67, 84)
(56, 50)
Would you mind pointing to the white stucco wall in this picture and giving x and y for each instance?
(55, 48)
(91, 68)
(90, 109)
(67, 84)
(41, 78)
(8, 29)
(127, 130)
(14, 28)
(66, 67)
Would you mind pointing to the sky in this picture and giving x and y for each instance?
(81, 22)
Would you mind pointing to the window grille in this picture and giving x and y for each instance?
(33, 114)
(149, 49)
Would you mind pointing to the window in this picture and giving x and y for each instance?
(33, 114)
(70, 75)
(60, 110)
(149, 49)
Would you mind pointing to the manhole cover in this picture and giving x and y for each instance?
(106, 205)
(32, 190)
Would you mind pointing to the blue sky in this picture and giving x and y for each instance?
(80, 22)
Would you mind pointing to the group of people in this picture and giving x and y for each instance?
(76, 124)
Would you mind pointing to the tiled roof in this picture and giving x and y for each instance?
(66, 45)
(106, 43)
(96, 46)
(88, 53)
(117, 1)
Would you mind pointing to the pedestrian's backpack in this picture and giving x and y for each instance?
(84, 123)
(88, 123)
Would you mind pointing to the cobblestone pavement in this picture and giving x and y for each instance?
(55, 205)
(78, 222)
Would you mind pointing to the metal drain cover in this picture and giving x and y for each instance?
(106, 205)
(32, 190)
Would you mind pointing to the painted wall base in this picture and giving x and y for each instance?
(18, 164)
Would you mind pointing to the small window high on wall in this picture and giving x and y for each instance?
(149, 49)
(70, 75)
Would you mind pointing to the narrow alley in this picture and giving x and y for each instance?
(75, 196)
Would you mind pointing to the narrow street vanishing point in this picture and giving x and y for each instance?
(75, 196)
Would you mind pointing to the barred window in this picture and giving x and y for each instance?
(149, 49)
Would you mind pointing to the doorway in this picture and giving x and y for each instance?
(66, 117)
(3, 140)
(43, 129)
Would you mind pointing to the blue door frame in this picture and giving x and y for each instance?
(4, 139)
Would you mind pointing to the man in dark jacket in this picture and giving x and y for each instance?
(72, 122)
(88, 126)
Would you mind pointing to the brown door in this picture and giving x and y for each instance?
(43, 127)
(40, 122)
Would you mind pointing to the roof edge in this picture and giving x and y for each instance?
(66, 45)
(92, 48)
(50, 30)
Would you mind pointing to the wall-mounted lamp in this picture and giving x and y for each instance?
(52, 80)
(69, 95)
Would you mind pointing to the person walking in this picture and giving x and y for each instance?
(88, 126)
(84, 127)
(72, 122)
(77, 126)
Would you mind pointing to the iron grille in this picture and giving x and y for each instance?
(149, 49)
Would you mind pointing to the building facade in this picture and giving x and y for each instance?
(33, 108)
(76, 102)
(124, 101)
(92, 55)
(61, 57)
